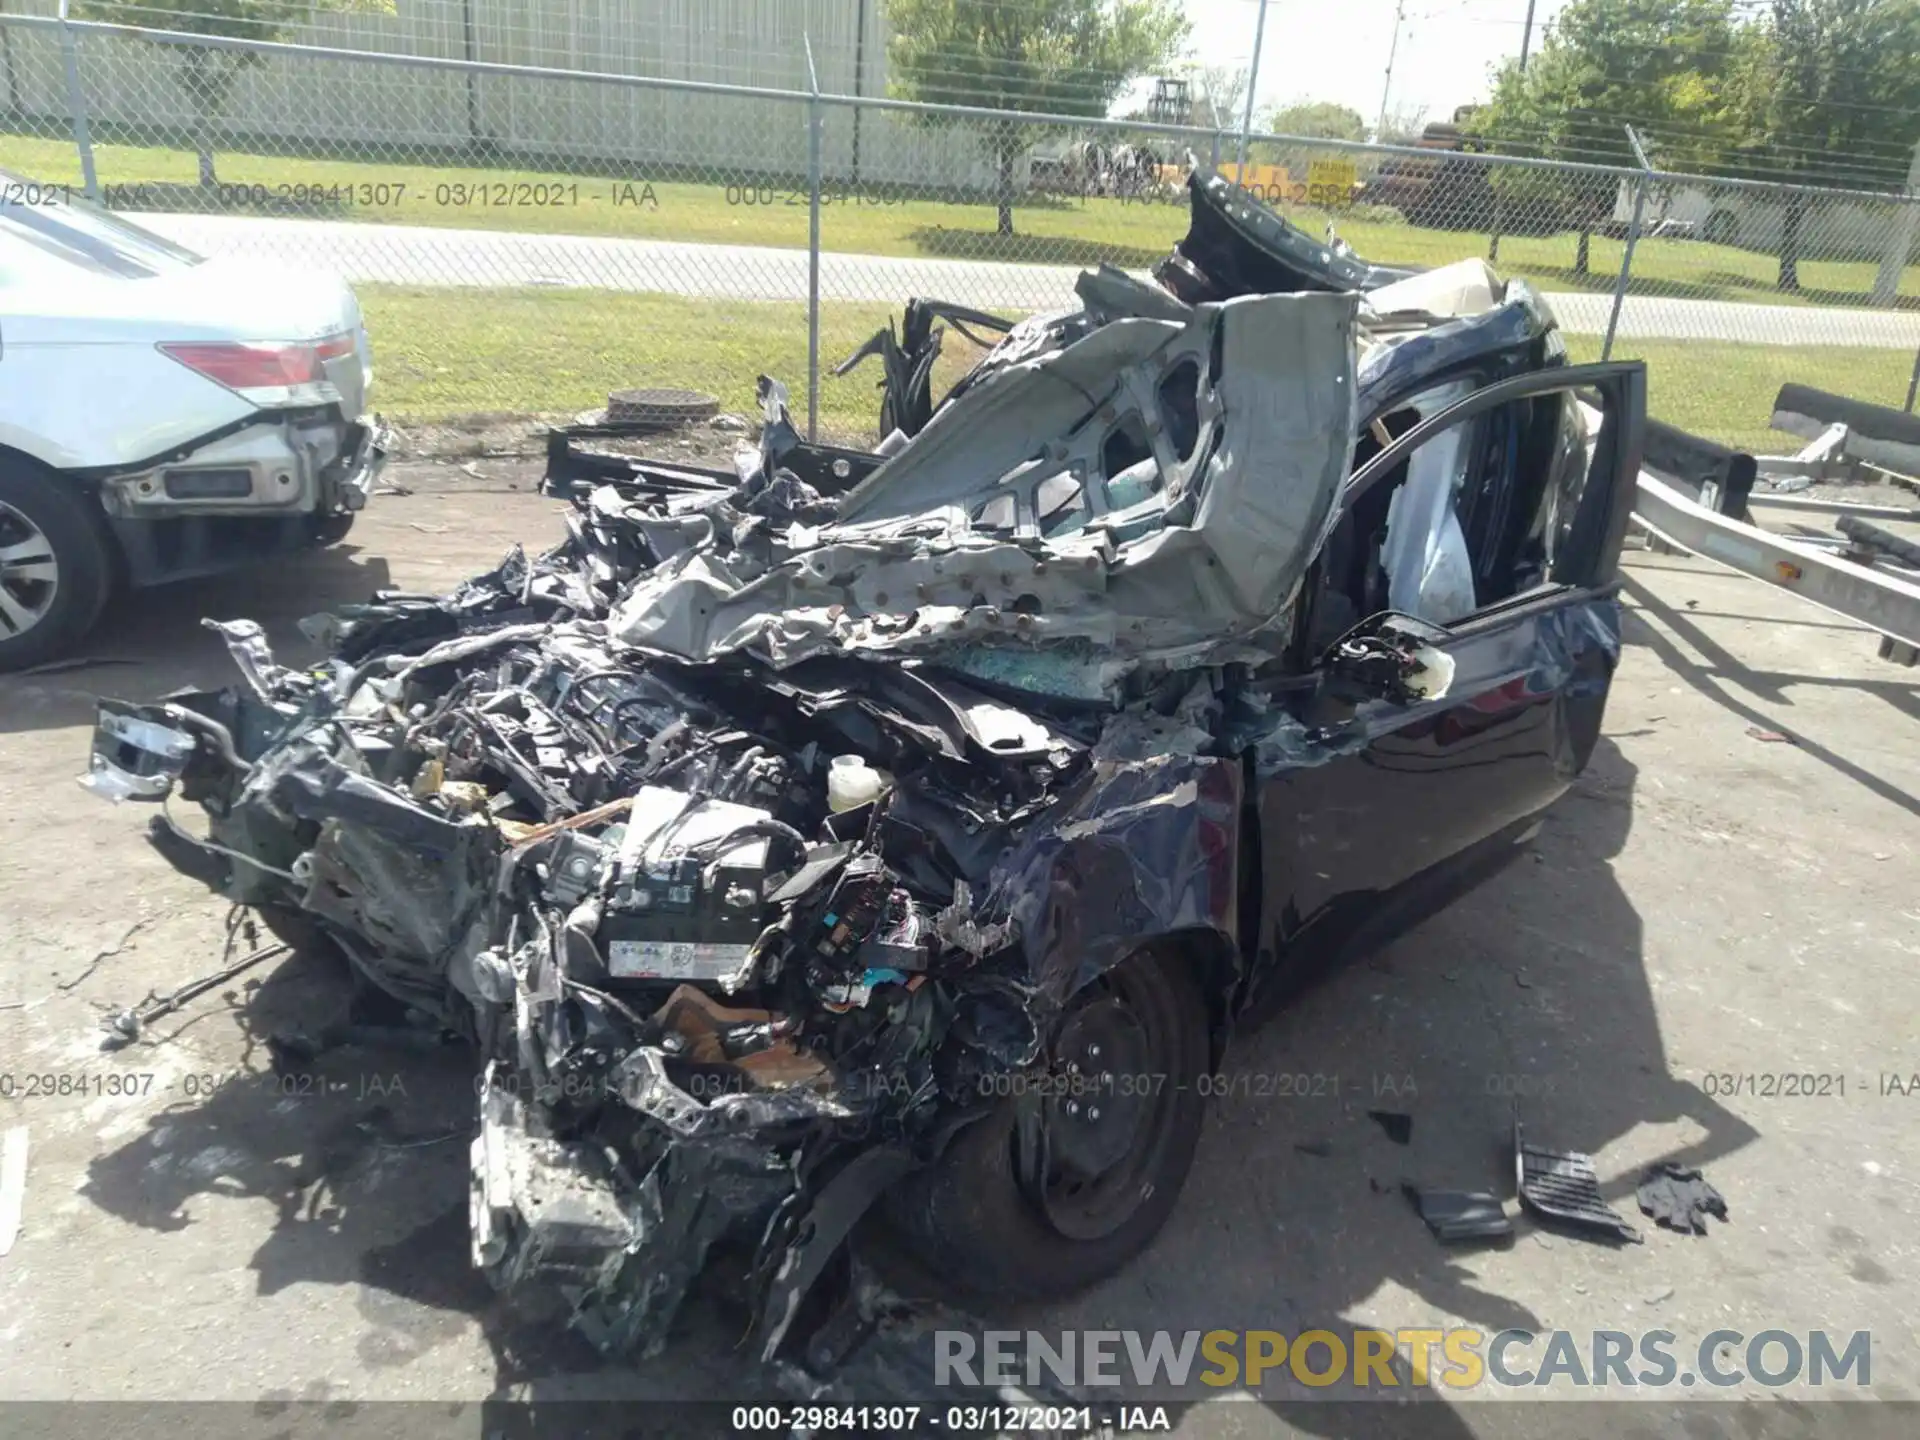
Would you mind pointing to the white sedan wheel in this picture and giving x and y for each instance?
(29, 574)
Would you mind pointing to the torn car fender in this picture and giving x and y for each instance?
(1139, 850)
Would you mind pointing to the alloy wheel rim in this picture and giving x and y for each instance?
(29, 574)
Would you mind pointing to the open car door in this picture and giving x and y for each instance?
(1425, 797)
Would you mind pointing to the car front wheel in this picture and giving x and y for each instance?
(54, 567)
(1064, 1183)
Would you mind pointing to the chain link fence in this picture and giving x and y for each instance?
(528, 237)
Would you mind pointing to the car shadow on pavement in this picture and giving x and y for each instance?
(1528, 996)
(1724, 676)
(362, 1150)
(149, 642)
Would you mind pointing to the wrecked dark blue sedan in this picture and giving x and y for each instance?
(918, 826)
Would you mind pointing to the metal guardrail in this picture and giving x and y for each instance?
(1698, 497)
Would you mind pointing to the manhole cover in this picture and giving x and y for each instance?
(660, 407)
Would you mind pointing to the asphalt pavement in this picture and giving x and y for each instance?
(1710, 958)
(428, 255)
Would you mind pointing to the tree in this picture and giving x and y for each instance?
(1219, 96)
(1314, 120)
(1064, 57)
(1829, 95)
(1606, 64)
(206, 73)
(1317, 120)
(1403, 127)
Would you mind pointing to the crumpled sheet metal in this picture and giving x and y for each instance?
(1247, 507)
(879, 596)
(1007, 421)
(247, 643)
(1286, 392)
(458, 795)
(1141, 847)
(1404, 365)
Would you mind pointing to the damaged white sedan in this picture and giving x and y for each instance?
(162, 415)
(923, 824)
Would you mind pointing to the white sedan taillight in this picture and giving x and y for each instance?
(268, 373)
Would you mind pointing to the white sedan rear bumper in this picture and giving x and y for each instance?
(299, 465)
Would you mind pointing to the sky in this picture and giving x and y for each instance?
(1317, 51)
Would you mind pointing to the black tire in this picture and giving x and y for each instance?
(973, 1221)
(38, 506)
(332, 529)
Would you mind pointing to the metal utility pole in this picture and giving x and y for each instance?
(1633, 239)
(1526, 44)
(1253, 85)
(1386, 87)
(1893, 260)
(473, 80)
(77, 106)
(859, 80)
(813, 245)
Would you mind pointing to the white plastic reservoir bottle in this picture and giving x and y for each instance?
(851, 783)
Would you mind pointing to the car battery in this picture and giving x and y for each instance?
(676, 915)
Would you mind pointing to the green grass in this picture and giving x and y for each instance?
(1725, 392)
(440, 352)
(883, 222)
(1687, 269)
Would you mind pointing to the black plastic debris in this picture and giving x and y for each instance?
(1679, 1198)
(1399, 1127)
(1456, 1216)
(1563, 1186)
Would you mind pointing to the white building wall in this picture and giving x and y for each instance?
(394, 110)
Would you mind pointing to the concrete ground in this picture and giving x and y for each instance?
(1708, 901)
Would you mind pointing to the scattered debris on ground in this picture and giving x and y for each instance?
(1679, 1198)
(1562, 1186)
(1457, 1216)
(1397, 1127)
(124, 1027)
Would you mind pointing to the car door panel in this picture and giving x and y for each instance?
(1370, 828)
(1427, 784)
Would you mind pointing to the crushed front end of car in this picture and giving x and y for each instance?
(760, 835)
